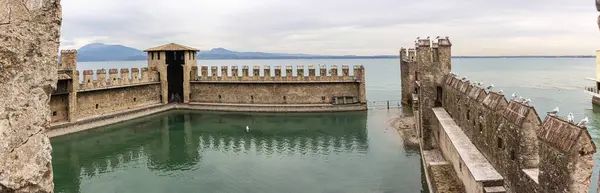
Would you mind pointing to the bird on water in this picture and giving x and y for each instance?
(247, 128)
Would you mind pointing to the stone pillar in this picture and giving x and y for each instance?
(224, 74)
(256, 72)
(234, 72)
(124, 76)
(323, 72)
(300, 72)
(289, 72)
(101, 78)
(311, 72)
(267, 73)
(334, 72)
(204, 72)
(144, 74)
(245, 72)
(88, 79)
(278, 73)
(345, 72)
(135, 76)
(194, 73)
(113, 75)
(187, 77)
(214, 70)
(30, 32)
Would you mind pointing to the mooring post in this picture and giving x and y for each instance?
(388, 104)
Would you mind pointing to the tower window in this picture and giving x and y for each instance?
(53, 113)
(500, 143)
(158, 55)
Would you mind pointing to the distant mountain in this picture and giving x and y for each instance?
(103, 52)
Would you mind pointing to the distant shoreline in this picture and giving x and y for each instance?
(360, 57)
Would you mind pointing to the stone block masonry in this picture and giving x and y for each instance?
(29, 40)
(104, 95)
(508, 137)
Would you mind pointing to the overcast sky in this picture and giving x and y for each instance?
(337, 27)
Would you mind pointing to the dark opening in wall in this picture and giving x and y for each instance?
(160, 97)
(468, 115)
(158, 55)
(114, 79)
(460, 166)
(438, 98)
(133, 99)
(96, 106)
(152, 54)
(323, 99)
(88, 81)
(219, 97)
(251, 98)
(284, 99)
(512, 155)
(500, 143)
(53, 113)
(416, 75)
(479, 126)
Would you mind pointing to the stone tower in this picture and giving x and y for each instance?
(433, 62)
(172, 64)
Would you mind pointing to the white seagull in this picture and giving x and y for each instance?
(490, 87)
(583, 122)
(247, 129)
(527, 101)
(554, 111)
(501, 91)
(514, 96)
(464, 78)
(571, 118)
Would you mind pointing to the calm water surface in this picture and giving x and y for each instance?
(182, 151)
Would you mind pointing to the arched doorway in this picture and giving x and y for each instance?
(175, 61)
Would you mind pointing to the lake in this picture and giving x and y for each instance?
(184, 151)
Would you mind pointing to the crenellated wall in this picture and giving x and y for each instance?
(112, 93)
(115, 78)
(275, 88)
(479, 132)
(517, 143)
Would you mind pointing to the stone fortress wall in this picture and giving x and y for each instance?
(121, 94)
(299, 88)
(492, 144)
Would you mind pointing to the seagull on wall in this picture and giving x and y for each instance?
(514, 96)
(527, 101)
(521, 99)
(464, 78)
(571, 118)
(501, 92)
(554, 111)
(583, 122)
(490, 87)
(480, 84)
(247, 129)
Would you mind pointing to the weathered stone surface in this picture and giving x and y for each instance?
(29, 39)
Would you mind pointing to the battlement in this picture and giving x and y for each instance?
(68, 60)
(99, 80)
(276, 75)
(511, 135)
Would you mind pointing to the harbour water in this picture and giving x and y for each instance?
(183, 151)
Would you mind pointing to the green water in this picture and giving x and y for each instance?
(184, 151)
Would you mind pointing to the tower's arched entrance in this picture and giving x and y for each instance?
(175, 61)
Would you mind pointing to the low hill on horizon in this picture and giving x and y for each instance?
(102, 52)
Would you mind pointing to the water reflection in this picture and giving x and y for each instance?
(179, 141)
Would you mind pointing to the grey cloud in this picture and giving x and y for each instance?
(323, 26)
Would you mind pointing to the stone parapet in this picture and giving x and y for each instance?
(276, 74)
